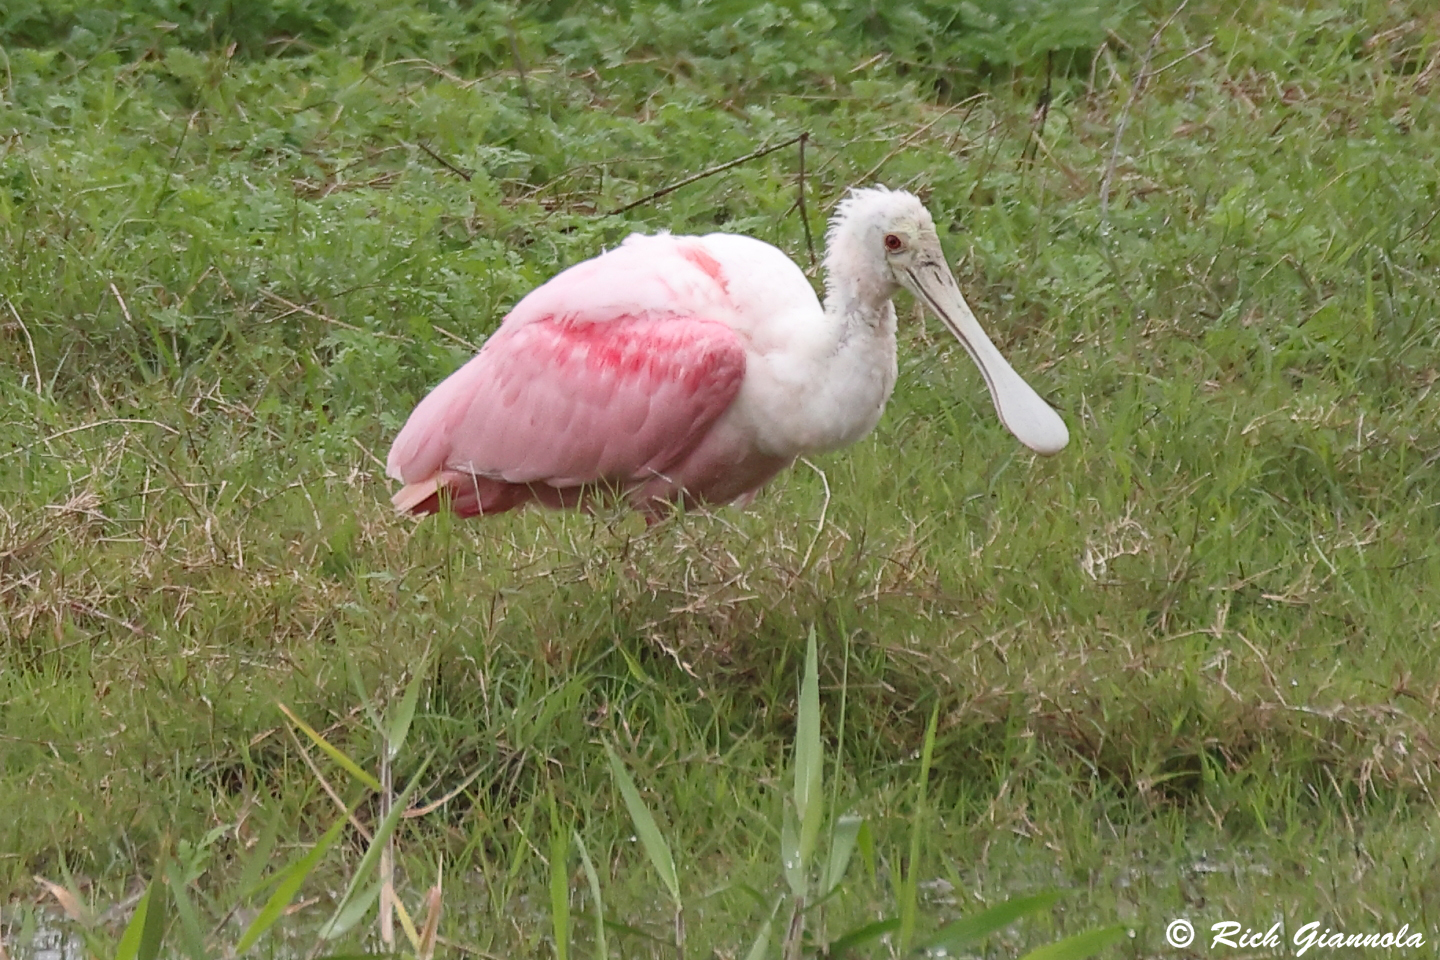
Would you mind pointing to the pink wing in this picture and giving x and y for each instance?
(566, 402)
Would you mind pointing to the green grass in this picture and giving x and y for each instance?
(1186, 668)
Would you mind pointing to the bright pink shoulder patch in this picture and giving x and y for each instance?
(697, 255)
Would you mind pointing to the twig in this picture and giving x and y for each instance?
(1403, 240)
(463, 175)
(718, 168)
(297, 308)
(325, 785)
(121, 300)
(89, 426)
(456, 337)
(519, 67)
(167, 192)
(1041, 114)
(1075, 181)
(867, 64)
(34, 360)
(804, 218)
(9, 77)
(366, 450)
(438, 71)
(906, 141)
(535, 191)
(820, 524)
(1183, 57)
(466, 948)
(85, 608)
(437, 804)
(1142, 77)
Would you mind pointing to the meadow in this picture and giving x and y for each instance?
(1186, 669)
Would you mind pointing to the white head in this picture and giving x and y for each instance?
(881, 240)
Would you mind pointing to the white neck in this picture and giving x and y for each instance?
(857, 356)
(856, 293)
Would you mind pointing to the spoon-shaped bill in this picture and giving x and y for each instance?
(1021, 410)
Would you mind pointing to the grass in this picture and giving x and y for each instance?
(1184, 669)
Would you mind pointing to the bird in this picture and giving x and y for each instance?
(687, 370)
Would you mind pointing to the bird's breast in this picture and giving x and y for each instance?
(800, 401)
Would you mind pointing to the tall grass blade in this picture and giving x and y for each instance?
(650, 837)
(865, 840)
(146, 929)
(559, 883)
(407, 924)
(593, 878)
(191, 932)
(910, 885)
(790, 859)
(636, 671)
(808, 758)
(842, 848)
(250, 882)
(839, 759)
(972, 929)
(861, 936)
(377, 844)
(405, 712)
(1080, 946)
(290, 881)
(129, 946)
(333, 752)
(761, 946)
(354, 911)
(357, 683)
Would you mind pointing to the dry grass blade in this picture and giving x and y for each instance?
(325, 785)
(333, 752)
(68, 901)
(34, 360)
(408, 925)
(434, 906)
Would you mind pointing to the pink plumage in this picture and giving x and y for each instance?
(691, 369)
(606, 378)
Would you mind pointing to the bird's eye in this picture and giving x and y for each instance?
(893, 243)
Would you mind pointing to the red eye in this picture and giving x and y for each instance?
(892, 242)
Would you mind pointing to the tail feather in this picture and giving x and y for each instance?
(468, 495)
(414, 495)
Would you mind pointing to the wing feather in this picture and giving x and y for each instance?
(569, 402)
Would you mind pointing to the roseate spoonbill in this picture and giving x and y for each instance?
(693, 369)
